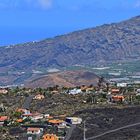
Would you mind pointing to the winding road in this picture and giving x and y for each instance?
(112, 131)
(69, 133)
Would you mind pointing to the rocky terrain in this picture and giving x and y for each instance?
(95, 46)
(102, 120)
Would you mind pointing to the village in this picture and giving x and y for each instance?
(58, 121)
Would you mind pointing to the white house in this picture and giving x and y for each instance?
(34, 131)
(36, 116)
(73, 120)
(75, 91)
(138, 90)
(121, 84)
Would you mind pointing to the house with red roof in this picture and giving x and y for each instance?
(3, 119)
(34, 131)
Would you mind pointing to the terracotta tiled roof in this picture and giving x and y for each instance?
(115, 90)
(33, 129)
(21, 110)
(19, 120)
(55, 121)
(3, 118)
(50, 137)
(118, 97)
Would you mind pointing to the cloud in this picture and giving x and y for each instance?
(137, 4)
(45, 4)
(8, 4)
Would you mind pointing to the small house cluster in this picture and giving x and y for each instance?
(41, 126)
(49, 127)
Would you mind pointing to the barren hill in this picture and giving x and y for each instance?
(66, 78)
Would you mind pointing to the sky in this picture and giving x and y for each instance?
(34, 20)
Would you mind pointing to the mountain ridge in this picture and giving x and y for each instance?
(116, 42)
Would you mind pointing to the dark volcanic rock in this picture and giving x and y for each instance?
(102, 120)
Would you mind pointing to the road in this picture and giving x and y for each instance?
(112, 131)
(27, 102)
(69, 133)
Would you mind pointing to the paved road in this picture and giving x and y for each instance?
(69, 133)
(27, 102)
(111, 131)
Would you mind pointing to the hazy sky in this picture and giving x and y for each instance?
(28, 20)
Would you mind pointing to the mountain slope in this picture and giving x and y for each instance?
(94, 46)
(65, 78)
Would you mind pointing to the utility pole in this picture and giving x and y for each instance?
(84, 131)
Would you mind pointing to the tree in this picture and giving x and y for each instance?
(100, 82)
(17, 114)
(107, 86)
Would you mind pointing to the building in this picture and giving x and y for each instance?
(50, 137)
(39, 97)
(117, 98)
(46, 115)
(138, 90)
(27, 116)
(33, 116)
(115, 91)
(3, 91)
(23, 111)
(3, 119)
(75, 91)
(90, 89)
(58, 123)
(73, 120)
(55, 92)
(121, 84)
(83, 88)
(36, 116)
(34, 131)
(19, 120)
(50, 117)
